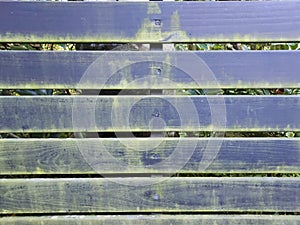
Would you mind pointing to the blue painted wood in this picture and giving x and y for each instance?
(145, 113)
(182, 194)
(227, 155)
(94, 70)
(154, 219)
(155, 22)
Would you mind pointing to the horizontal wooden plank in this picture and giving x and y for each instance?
(149, 195)
(149, 113)
(147, 155)
(149, 70)
(149, 22)
(154, 219)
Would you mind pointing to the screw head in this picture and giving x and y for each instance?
(158, 71)
(157, 22)
(156, 114)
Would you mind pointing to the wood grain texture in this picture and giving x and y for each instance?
(160, 195)
(138, 70)
(149, 113)
(154, 219)
(218, 155)
(149, 22)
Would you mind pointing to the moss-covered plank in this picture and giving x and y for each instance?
(149, 195)
(145, 70)
(153, 219)
(149, 22)
(148, 113)
(149, 155)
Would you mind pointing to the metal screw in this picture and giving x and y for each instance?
(156, 197)
(156, 114)
(154, 156)
(158, 71)
(157, 22)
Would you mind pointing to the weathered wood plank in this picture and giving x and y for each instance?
(148, 113)
(205, 155)
(137, 70)
(149, 22)
(154, 219)
(160, 195)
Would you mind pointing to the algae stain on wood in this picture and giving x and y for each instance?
(175, 21)
(176, 28)
(150, 31)
(169, 64)
(153, 8)
(39, 170)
